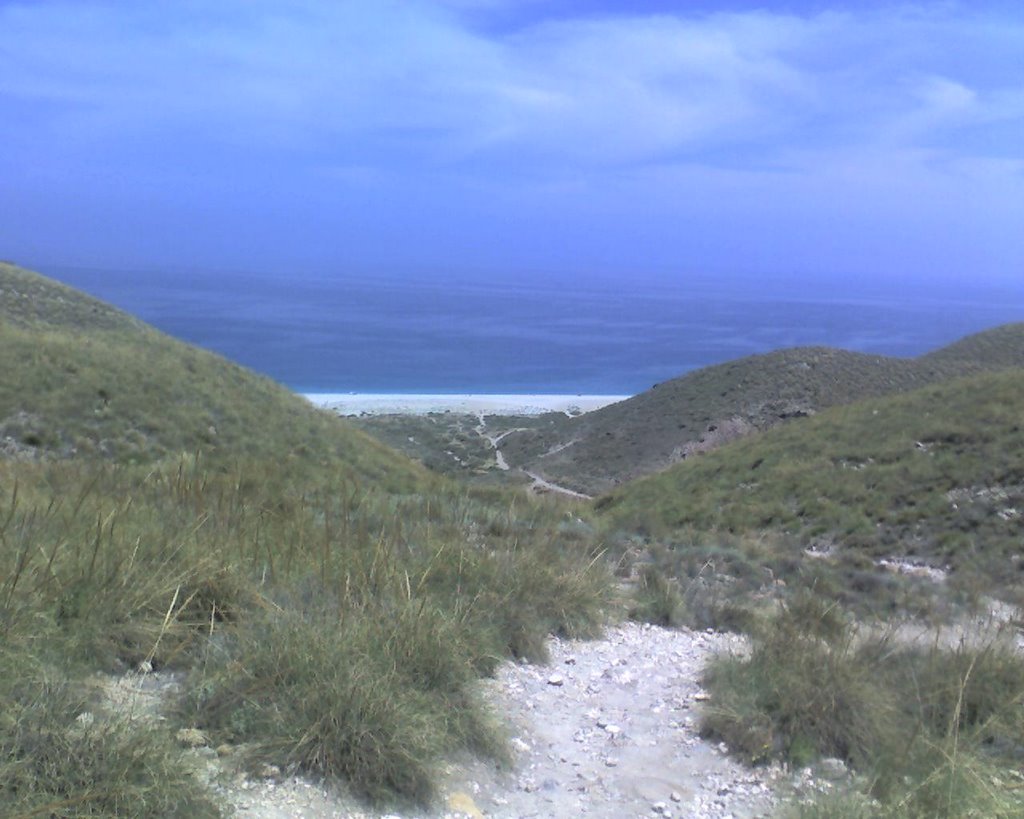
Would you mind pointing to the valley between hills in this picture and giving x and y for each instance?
(788, 585)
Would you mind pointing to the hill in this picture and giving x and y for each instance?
(328, 603)
(702, 410)
(82, 378)
(934, 476)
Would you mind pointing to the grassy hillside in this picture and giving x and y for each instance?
(992, 349)
(935, 475)
(330, 602)
(84, 379)
(783, 534)
(709, 407)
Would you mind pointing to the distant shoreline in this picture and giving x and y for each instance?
(470, 403)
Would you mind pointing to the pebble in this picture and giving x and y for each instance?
(832, 768)
(633, 693)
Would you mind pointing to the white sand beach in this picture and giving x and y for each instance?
(472, 404)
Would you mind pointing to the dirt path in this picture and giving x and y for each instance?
(608, 729)
(494, 440)
(541, 484)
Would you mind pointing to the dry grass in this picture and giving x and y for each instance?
(932, 732)
(331, 601)
(334, 629)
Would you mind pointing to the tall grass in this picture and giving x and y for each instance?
(932, 731)
(933, 474)
(332, 627)
(57, 759)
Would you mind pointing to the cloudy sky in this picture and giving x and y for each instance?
(563, 136)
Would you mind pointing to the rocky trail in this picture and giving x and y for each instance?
(539, 483)
(607, 729)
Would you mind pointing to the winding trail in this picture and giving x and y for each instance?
(607, 730)
(540, 484)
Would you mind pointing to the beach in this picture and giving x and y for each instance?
(470, 404)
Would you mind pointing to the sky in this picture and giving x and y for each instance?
(545, 137)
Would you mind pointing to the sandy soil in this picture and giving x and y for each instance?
(396, 404)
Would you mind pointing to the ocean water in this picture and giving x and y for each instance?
(543, 335)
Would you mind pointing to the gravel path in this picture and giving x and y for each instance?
(608, 729)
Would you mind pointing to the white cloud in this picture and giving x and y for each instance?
(408, 82)
(840, 131)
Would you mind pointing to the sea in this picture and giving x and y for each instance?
(535, 334)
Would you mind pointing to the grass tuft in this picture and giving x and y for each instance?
(931, 731)
(59, 759)
(333, 628)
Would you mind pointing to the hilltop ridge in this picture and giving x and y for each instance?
(84, 378)
(703, 409)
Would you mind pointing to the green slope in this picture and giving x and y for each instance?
(82, 378)
(935, 474)
(992, 349)
(704, 409)
(331, 603)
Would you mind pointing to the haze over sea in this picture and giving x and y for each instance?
(537, 334)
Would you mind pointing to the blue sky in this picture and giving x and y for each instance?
(535, 136)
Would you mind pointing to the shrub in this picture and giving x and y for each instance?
(934, 732)
(374, 697)
(657, 599)
(806, 690)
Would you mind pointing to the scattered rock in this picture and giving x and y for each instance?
(831, 768)
(85, 719)
(463, 804)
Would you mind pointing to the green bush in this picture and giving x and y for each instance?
(657, 599)
(374, 697)
(933, 732)
(807, 689)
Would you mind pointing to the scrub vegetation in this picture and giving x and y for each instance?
(330, 602)
(932, 478)
(931, 731)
